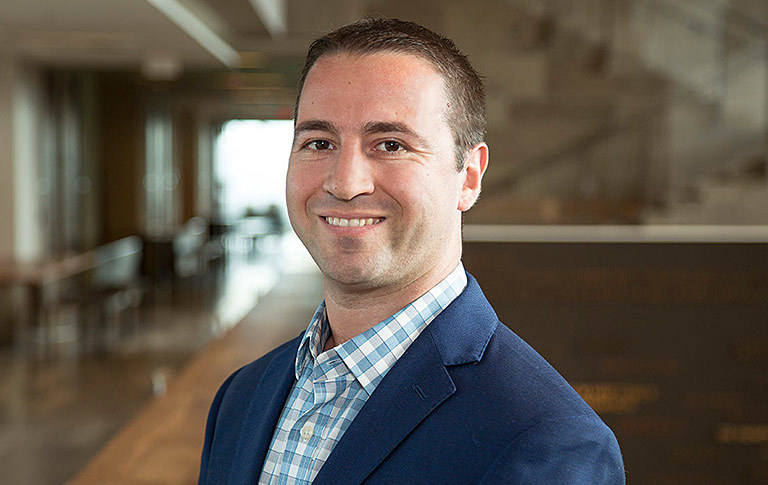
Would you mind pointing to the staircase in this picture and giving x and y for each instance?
(558, 147)
(619, 130)
(738, 197)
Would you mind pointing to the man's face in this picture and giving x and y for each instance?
(372, 188)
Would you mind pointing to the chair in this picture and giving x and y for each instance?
(115, 286)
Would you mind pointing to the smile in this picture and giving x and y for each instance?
(338, 221)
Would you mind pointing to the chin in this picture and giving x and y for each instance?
(360, 275)
(350, 268)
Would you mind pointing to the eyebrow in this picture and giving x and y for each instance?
(315, 125)
(393, 127)
(369, 128)
(388, 127)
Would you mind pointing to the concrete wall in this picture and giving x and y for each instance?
(7, 73)
(28, 230)
(21, 236)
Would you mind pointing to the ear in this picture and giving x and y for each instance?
(474, 168)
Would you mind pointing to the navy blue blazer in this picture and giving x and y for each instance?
(468, 402)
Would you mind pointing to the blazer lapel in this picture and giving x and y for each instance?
(263, 412)
(412, 389)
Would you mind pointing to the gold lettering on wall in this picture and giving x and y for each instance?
(620, 398)
(638, 366)
(752, 350)
(741, 434)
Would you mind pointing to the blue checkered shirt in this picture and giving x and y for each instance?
(332, 386)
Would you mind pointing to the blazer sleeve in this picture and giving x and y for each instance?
(575, 450)
(210, 429)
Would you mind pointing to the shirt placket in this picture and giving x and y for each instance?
(326, 383)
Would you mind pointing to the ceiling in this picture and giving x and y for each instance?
(165, 35)
(229, 56)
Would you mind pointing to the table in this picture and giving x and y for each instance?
(33, 278)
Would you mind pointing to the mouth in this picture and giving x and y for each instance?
(361, 222)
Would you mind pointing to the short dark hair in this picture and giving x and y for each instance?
(466, 116)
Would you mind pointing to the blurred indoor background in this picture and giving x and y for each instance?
(145, 251)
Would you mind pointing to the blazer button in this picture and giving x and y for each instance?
(306, 432)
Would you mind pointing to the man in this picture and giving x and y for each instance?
(404, 375)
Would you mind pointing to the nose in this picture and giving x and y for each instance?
(350, 175)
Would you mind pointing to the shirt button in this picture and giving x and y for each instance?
(306, 432)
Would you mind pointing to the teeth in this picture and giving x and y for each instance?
(336, 221)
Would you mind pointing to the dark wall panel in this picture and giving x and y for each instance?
(668, 342)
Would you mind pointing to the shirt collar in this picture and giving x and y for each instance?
(371, 354)
(314, 339)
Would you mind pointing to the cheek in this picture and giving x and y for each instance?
(298, 186)
(295, 202)
(435, 191)
(419, 196)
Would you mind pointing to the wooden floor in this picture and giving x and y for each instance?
(136, 413)
(162, 444)
(57, 411)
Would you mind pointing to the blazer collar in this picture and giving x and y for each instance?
(415, 386)
(462, 331)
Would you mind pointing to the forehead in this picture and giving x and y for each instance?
(382, 83)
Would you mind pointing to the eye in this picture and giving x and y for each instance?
(390, 146)
(319, 145)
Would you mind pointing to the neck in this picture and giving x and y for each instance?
(351, 313)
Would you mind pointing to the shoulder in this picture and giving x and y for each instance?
(510, 359)
(559, 438)
(493, 367)
(575, 449)
(543, 430)
(511, 380)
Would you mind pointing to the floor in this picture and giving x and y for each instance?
(57, 412)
